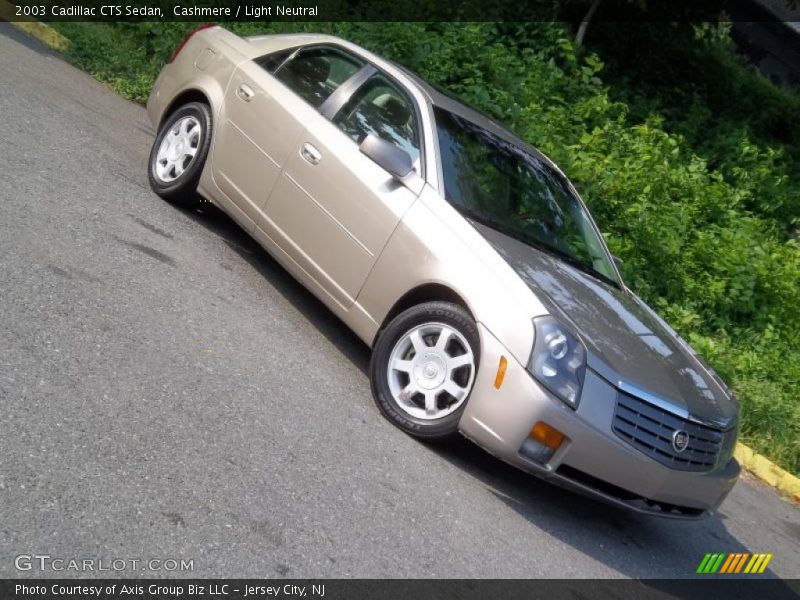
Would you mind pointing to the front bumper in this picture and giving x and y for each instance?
(592, 460)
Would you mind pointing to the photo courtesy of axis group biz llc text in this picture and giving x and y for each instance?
(417, 299)
(175, 589)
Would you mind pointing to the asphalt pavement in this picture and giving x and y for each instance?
(168, 391)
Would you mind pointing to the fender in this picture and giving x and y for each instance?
(425, 249)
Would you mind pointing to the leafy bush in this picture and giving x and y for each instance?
(721, 105)
(695, 198)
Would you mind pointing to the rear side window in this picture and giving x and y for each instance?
(315, 73)
(270, 62)
(380, 108)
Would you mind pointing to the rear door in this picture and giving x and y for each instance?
(262, 120)
(333, 209)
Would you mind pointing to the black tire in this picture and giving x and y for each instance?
(444, 429)
(182, 190)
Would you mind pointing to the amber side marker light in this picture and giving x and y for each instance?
(501, 372)
(547, 435)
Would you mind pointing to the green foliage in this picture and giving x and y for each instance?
(724, 109)
(688, 160)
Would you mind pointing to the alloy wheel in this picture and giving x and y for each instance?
(178, 148)
(431, 370)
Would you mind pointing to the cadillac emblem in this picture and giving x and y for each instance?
(680, 440)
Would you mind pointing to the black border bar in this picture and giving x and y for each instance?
(711, 588)
(394, 10)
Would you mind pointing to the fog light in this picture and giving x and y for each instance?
(542, 442)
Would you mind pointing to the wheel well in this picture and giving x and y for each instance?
(184, 98)
(429, 292)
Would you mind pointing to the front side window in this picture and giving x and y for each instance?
(507, 188)
(379, 108)
(315, 73)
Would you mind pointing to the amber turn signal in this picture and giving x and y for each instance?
(546, 435)
(501, 372)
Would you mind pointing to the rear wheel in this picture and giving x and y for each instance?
(423, 369)
(179, 153)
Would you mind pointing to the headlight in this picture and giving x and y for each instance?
(558, 360)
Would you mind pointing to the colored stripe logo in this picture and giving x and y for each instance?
(741, 562)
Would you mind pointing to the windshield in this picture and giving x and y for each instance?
(516, 192)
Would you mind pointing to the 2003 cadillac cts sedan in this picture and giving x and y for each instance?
(459, 253)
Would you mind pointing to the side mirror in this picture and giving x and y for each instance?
(617, 262)
(387, 156)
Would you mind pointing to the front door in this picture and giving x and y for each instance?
(333, 209)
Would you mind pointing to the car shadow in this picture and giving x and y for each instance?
(219, 223)
(635, 545)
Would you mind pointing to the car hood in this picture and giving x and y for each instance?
(627, 343)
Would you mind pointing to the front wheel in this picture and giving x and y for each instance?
(179, 153)
(423, 368)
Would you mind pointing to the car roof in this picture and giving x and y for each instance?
(433, 95)
(444, 100)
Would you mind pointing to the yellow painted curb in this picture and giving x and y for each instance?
(742, 454)
(767, 471)
(44, 33)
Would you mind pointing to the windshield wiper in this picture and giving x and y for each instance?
(571, 260)
(539, 245)
(482, 219)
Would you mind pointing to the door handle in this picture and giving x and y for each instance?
(310, 153)
(245, 92)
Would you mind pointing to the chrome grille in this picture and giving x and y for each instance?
(649, 429)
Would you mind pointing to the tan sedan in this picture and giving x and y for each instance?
(459, 253)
